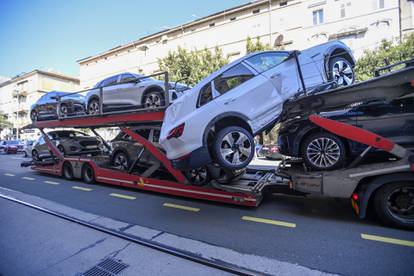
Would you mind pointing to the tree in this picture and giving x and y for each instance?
(256, 46)
(4, 123)
(194, 65)
(388, 52)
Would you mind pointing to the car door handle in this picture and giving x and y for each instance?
(230, 101)
(275, 76)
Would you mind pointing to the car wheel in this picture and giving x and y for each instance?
(35, 155)
(341, 71)
(198, 177)
(63, 110)
(121, 160)
(153, 99)
(67, 171)
(323, 151)
(33, 116)
(61, 149)
(88, 174)
(394, 204)
(94, 107)
(233, 148)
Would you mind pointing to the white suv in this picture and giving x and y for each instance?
(217, 119)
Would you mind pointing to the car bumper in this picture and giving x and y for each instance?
(195, 159)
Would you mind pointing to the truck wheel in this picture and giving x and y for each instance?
(394, 204)
(88, 174)
(323, 151)
(67, 171)
(233, 148)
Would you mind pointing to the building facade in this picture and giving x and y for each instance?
(291, 24)
(19, 93)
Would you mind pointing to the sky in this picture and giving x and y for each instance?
(54, 34)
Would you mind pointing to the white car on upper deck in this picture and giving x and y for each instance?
(217, 119)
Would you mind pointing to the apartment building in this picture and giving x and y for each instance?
(19, 93)
(292, 24)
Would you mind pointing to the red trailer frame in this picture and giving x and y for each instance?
(179, 186)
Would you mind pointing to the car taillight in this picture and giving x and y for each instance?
(274, 149)
(176, 132)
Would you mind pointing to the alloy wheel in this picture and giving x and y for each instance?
(152, 100)
(121, 161)
(94, 107)
(323, 152)
(235, 148)
(342, 72)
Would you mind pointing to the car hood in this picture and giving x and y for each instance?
(387, 87)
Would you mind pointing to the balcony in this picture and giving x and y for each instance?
(19, 93)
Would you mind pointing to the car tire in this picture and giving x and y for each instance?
(323, 151)
(35, 156)
(121, 160)
(153, 99)
(67, 171)
(63, 110)
(61, 149)
(198, 177)
(233, 148)
(394, 204)
(33, 116)
(341, 71)
(94, 107)
(88, 174)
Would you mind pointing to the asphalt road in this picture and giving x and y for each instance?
(319, 233)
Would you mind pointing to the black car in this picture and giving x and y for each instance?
(46, 107)
(68, 142)
(322, 150)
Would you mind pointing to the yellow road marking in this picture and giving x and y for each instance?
(182, 207)
(387, 240)
(28, 178)
(9, 174)
(82, 188)
(52, 182)
(270, 221)
(123, 196)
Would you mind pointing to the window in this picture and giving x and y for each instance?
(206, 95)
(212, 24)
(282, 4)
(381, 4)
(127, 78)
(318, 17)
(256, 11)
(232, 78)
(343, 11)
(233, 18)
(109, 81)
(266, 61)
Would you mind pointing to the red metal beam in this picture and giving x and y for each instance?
(157, 154)
(103, 120)
(359, 135)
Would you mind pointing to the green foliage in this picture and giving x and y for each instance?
(194, 65)
(256, 46)
(4, 123)
(387, 51)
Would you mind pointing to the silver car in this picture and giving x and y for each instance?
(129, 90)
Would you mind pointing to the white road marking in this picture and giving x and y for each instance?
(51, 182)
(9, 174)
(27, 178)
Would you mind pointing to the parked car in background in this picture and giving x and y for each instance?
(129, 90)
(217, 119)
(46, 108)
(270, 152)
(322, 150)
(9, 146)
(68, 142)
(27, 148)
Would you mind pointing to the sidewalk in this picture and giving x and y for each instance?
(36, 243)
